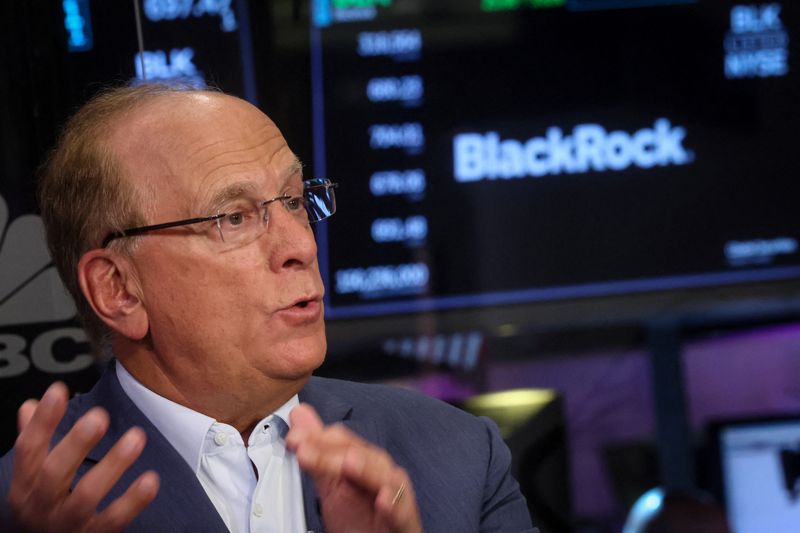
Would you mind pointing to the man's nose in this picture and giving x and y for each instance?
(290, 241)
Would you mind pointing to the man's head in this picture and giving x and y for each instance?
(147, 155)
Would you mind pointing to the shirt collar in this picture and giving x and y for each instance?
(184, 428)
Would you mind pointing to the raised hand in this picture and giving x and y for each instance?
(40, 497)
(361, 489)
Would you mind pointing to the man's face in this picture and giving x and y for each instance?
(222, 317)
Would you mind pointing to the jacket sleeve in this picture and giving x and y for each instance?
(6, 465)
(504, 507)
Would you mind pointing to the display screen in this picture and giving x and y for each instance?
(761, 470)
(187, 42)
(501, 151)
(197, 41)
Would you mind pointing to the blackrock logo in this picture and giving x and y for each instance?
(32, 298)
(589, 147)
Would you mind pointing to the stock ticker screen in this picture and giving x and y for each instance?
(493, 152)
(191, 42)
(501, 151)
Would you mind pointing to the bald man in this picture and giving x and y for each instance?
(180, 221)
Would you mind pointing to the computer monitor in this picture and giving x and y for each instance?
(759, 463)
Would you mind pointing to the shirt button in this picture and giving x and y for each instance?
(221, 438)
(258, 510)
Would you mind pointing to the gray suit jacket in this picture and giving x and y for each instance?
(458, 464)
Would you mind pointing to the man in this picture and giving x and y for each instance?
(180, 222)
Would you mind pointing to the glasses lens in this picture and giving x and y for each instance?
(242, 224)
(320, 199)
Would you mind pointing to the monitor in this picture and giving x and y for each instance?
(760, 473)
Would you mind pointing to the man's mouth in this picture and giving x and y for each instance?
(305, 301)
(303, 311)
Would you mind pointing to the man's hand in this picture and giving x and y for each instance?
(361, 489)
(40, 498)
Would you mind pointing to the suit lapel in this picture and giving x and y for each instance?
(182, 503)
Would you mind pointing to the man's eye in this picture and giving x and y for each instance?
(235, 219)
(294, 203)
(239, 220)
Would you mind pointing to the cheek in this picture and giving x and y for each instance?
(225, 303)
(187, 291)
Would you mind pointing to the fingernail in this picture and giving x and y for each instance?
(131, 441)
(50, 397)
(149, 483)
(90, 425)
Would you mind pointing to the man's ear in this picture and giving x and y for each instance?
(110, 286)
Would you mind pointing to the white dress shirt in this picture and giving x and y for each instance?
(271, 501)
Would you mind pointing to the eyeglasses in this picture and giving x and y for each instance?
(246, 220)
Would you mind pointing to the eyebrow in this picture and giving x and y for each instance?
(240, 189)
(295, 168)
(243, 189)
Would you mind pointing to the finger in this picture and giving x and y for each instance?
(306, 426)
(59, 467)
(122, 511)
(321, 457)
(94, 486)
(25, 413)
(396, 503)
(373, 471)
(397, 497)
(322, 453)
(33, 442)
(370, 468)
(305, 417)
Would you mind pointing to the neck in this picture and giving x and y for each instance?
(240, 402)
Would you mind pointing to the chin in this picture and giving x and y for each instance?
(298, 359)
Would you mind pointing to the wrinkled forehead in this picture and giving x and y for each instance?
(185, 152)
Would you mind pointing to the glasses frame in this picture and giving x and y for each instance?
(319, 183)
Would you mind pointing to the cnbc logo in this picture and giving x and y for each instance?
(32, 299)
(589, 147)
